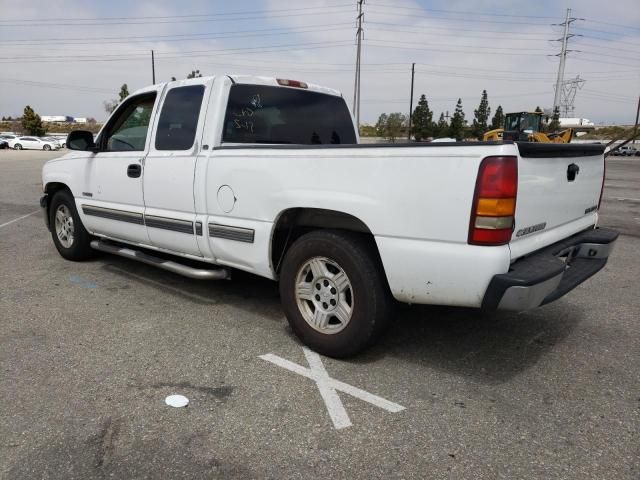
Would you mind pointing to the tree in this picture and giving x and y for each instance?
(498, 119)
(422, 120)
(32, 123)
(481, 117)
(124, 92)
(538, 109)
(554, 125)
(393, 129)
(110, 105)
(194, 74)
(457, 126)
(442, 127)
(381, 125)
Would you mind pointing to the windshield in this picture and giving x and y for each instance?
(265, 114)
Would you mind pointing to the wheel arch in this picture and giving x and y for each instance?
(292, 223)
(50, 189)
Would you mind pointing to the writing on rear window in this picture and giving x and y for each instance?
(278, 115)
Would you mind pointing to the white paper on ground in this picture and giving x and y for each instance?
(176, 401)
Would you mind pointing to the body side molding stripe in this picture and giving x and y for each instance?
(228, 232)
(172, 224)
(112, 214)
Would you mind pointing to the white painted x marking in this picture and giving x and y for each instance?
(329, 387)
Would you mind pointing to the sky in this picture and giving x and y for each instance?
(66, 57)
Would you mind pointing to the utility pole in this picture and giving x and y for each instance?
(563, 57)
(153, 69)
(413, 73)
(356, 87)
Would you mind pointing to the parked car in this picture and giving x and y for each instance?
(627, 151)
(8, 137)
(33, 143)
(265, 175)
(3, 144)
(53, 140)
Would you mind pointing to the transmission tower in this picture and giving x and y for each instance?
(563, 56)
(356, 87)
(568, 90)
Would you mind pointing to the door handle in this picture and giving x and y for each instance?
(134, 170)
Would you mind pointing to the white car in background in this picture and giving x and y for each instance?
(33, 143)
(58, 140)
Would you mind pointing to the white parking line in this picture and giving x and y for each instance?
(19, 218)
(329, 386)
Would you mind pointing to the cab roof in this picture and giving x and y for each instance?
(245, 80)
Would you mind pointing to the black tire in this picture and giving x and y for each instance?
(46, 147)
(80, 248)
(17, 146)
(372, 301)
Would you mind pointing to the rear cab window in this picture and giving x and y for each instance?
(179, 118)
(282, 115)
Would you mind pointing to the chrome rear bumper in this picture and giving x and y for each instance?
(550, 273)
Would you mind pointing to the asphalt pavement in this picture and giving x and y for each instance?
(89, 351)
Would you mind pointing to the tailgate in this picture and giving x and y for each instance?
(558, 193)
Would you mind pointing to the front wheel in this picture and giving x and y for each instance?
(46, 147)
(69, 235)
(17, 146)
(334, 292)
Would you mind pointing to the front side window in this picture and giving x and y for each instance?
(127, 131)
(281, 115)
(179, 118)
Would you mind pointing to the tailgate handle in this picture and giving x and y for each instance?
(572, 171)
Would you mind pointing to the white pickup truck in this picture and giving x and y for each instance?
(266, 175)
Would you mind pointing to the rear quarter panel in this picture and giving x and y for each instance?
(415, 200)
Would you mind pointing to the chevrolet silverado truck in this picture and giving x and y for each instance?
(206, 175)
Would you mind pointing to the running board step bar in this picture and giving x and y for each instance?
(179, 268)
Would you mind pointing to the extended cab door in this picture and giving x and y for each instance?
(170, 213)
(111, 202)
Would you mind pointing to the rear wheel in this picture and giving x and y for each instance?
(17, 146)
(334, 293)
(69, 235)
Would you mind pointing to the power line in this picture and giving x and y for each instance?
(192, 15)
(459, 12)
(184, 37)
(439, 49)
(457, 20)
(631, 27)
(136, 56)
(60, 86)
(171, 20)
(448, 29)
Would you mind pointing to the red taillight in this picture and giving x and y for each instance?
(291, 83)
(494, 201)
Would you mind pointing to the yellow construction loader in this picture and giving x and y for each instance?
(526, 127)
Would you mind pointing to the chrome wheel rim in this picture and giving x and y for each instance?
(324, 295)
(64, 226)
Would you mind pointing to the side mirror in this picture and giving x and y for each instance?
(81, 140)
